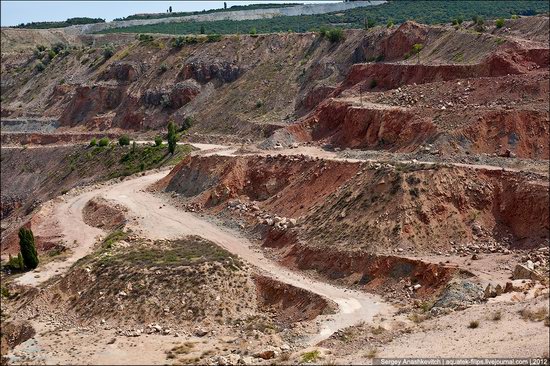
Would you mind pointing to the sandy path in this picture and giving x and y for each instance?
(67, 216)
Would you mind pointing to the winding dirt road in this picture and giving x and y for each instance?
(153, 217)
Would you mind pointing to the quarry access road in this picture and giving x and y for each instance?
(155, 218)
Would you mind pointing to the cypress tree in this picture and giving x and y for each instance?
(172, 138)
(28, 248)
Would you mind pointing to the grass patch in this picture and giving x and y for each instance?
(311, 356)
(182, 349)
(536, 315)
(182, 252)
(148, 157)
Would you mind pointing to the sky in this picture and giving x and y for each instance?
(16, 12)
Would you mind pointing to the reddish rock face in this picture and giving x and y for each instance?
(122, 72)
(88, 102)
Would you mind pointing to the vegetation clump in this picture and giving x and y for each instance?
(124, 140)
(311, 356)
(332, 34)
(104, 141)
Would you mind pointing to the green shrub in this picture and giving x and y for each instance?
(145, 38)
(187, 123)
(16, 262)
(373, 83)
(163, 68)
(514, 16)
(259, 104)
(124, 140)
(40, 48)
(40, 66)
(253, 32)
(104, 141)
(177, 42)
(28, 248)
(416, 48)
(390, 23)
(335, 35)
(473, 324)
(158, 141)
(202, 29)
(108, 51)
(51, 54)
(58, 47)
(499, 23)
(213, 38)
(93, 142)
(311, 356)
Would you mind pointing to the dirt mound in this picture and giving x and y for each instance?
(14, 333)
(214, 289)
(291, 304)
(104, 214)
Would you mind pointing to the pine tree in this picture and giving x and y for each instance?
(28, 248)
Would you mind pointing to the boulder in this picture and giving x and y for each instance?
(523, 272)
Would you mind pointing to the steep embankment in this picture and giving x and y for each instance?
(381, 206)
(347, 220)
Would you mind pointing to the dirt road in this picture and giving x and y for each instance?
(155, 218)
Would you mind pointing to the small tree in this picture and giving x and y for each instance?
(416, 48)
(202, 29)
(158, 141)
(134, 145)
(169, 9)
(224, 5)
(124, 140)
(28, 248)
(172, 138)
(253, 32)
(390, 23)
(499, 23)
(108, 51)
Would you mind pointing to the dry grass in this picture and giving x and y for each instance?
(311, 356)
(473, 324)
(497, 315)
(372, 353)
(418, 318)
(536, 315)
(182, 349)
